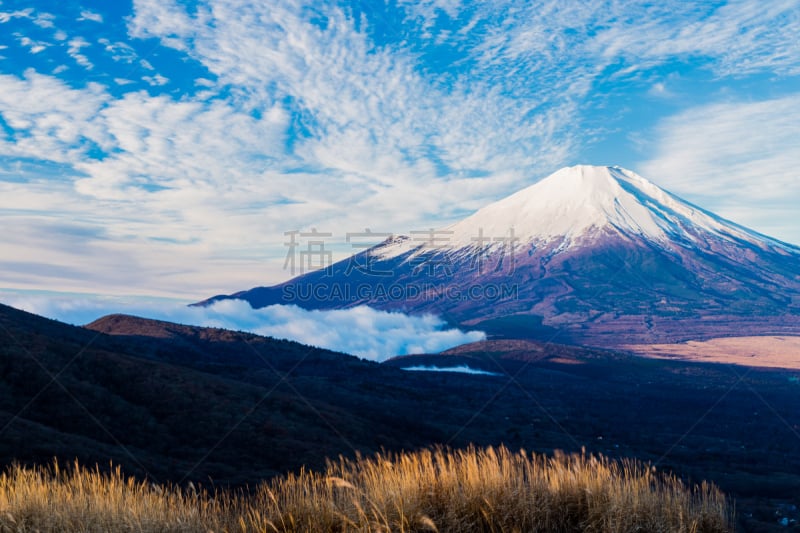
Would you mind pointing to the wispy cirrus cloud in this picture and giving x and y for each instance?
(48, 120)
(741, 159)
(366, 113)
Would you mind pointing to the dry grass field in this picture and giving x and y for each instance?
(486, 489)
(768, 352)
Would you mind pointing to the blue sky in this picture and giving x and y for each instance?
(163, 147)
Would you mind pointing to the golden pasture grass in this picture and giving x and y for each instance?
(477, 489)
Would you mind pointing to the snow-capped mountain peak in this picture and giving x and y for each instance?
(599, 255)
(566, 204)
(578, 204)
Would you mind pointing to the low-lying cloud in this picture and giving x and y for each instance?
(360, 331)
(463, 369)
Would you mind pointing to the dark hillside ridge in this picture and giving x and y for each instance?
(177, 403)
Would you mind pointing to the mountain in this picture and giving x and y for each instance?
(596, 255)
(174, 403)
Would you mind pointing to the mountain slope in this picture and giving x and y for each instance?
(197, 403)
(176, 402)
(592, 254)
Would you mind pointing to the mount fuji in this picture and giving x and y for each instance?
(593, 255)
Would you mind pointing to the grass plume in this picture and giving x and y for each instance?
(442, 490)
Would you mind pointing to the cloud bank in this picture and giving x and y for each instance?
(361, 331)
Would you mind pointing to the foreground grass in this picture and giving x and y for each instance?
(434, 490)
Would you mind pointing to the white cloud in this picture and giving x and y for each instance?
(32, 45)
(91, 15)
(660, 90)
(203, 82)
(156, 81)
(740, 159)
(737, 38)
(375, 124)
(44, 20)
(464, 369)
(120, 51)
(6, 16)
(50, 119)
(361, 331)
(74, 51)
(163, 19)
(145, 203)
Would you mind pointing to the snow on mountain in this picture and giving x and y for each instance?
(576, 204)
